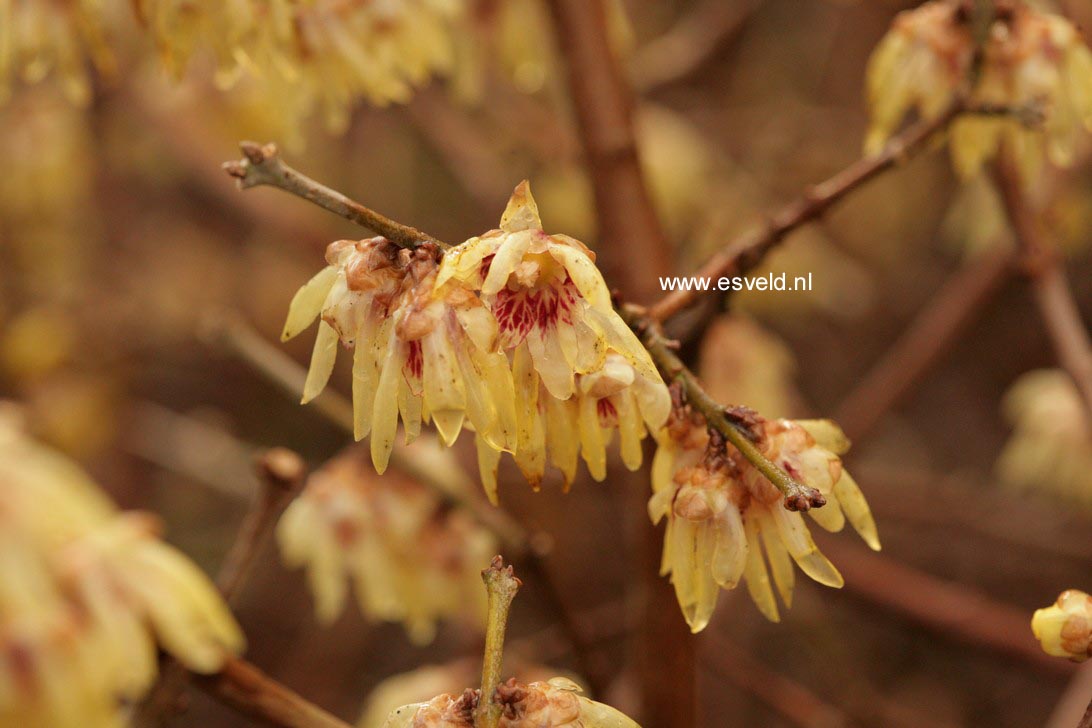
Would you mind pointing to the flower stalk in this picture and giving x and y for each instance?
(501, 586)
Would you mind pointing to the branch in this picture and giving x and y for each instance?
(251, 692)
(1053, 294)
(262, 165)
(282, 474)
(747, 251)
(924, 342)
(501, 586)
(798, 497)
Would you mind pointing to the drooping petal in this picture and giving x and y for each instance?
(856, 509)
(794, 533)
(307, 304)
(322, 362)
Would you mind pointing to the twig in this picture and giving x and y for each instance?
(798, 497)
(1053, 294)
(262, 165)
(747, 251)
(690, 43)
(281, 475)
(629, 231)
(251, 692)
(1086, 720)
(924, 342)
(501, 586)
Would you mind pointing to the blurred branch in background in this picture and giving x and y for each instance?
(925, 341)
(1053, 295)
(697, 36)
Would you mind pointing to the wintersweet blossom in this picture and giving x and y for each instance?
(409, 559)
(556, 703)
(87, 594)
(722, 514)
(1050, 449)
(423, 351)
(1031, 59)
(1064, 629)
(579, 371)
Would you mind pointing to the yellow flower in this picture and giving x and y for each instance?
(919, 65)
(1031, 59)
(1065, 628)
(722, 514)
(578, 370)
(408, 558)
(39, 39)
(422, 351)
(1050, 449)
(555, 703)
(88, 594)
(324, 52)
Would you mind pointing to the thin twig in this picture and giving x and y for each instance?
(281, 475)
(748, 250)
(1053, 295)
(501, 586)
(262, 165)
(253, 693)
(924, 342)
(797, 496)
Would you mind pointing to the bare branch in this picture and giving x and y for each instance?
(262, 165)
(748, 250)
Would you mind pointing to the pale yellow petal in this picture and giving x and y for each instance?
(322, 362)
(308, 301)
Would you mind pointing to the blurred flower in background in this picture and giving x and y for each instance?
(88, 593)
(410, 558)
(1050, 448)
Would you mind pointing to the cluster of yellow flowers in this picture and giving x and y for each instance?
(1050, 449)
(1064, 629)
(87, 594)
(556, 703)
(722, 513)
(1032, 59)
(511, 334)
(307, 53)
(409, 559)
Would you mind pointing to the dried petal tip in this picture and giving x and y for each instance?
(1065, 628)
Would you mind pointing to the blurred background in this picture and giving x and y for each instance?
(137, 285)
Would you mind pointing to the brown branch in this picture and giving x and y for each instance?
(747, 251)
(251, 692)
(281, 474)
(789, 699)
(943, 606)
(1086, 720)
(633, 248)
(924, 342)
(262, 165)
(1051, 289)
